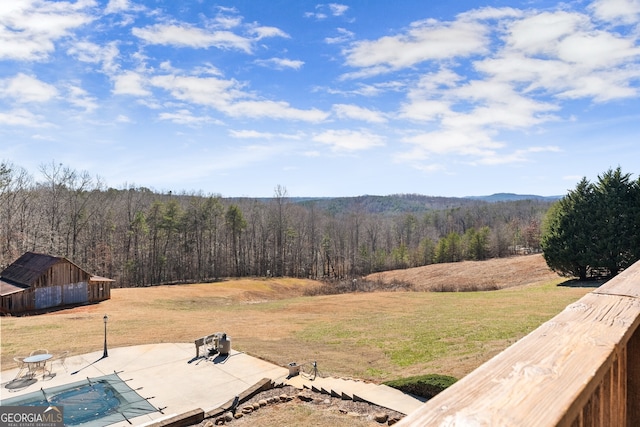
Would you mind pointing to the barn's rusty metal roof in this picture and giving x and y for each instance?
(7, 288)
(26, 269)
(100, 279)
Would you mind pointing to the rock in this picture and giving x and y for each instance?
(210, 424)
(247, 409)
(237, 415)
(228, 416)
(305, 397)
(380, 417)
(220, 421)
(256, 406)
(272, 400)
(392, 421)
(283, 397)
(262, 402)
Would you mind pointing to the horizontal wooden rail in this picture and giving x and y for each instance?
(581, 368)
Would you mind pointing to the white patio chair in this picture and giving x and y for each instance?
(21, 366)
(61, 359)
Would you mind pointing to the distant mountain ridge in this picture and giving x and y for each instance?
(410, 203)
(509, 197)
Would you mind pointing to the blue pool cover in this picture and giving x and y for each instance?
(94, 402)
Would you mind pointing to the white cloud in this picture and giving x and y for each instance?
(29, 29)
(520, 85)
(525, 35)
(343, 36)
(217, 35)
(253, 134)
(338, 9)
(227, 18)
(366, 73)
(570, 60)
(324, 10)
(90, 52)
(490, 13)
(23, 88)
(349, 140)
(518, 156)
(27, 89)
(535, 74)
(317, 15)
(426, 100)
(602, 87)
(185, 117)
(497, 105)
(368, 90)
(597, 50)
(80, 98)
(130, 83)
(188, 36)
(425, 109)
(40, 137)
(217, 93)
(424, 41)
(280, 63)
(274, 110)
(116, 6)
(346, 111)
(571, 38)
(624, 11)
(264, 32)
(227, 97)
(454, 141)
(22, 117)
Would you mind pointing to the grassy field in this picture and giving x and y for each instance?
(375, 336)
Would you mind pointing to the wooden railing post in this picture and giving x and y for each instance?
(633, 380)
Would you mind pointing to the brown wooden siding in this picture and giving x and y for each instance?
(99, 291)
(19, 302)
(60, 274)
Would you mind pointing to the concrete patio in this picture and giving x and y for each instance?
(175, 382)
(168, 375)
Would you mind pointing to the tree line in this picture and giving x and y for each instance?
(140, 237)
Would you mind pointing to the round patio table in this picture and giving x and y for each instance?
(37, 362)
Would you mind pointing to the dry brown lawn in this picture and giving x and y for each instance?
(492, 274)
(375, 336)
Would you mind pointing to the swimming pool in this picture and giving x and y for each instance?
(94, 402)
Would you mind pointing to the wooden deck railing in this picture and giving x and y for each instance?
(581, 368)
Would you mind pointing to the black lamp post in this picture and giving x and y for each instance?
(105, 354)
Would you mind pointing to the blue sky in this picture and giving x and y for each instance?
(445, 98)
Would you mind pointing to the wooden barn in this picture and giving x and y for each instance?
(37, 282)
